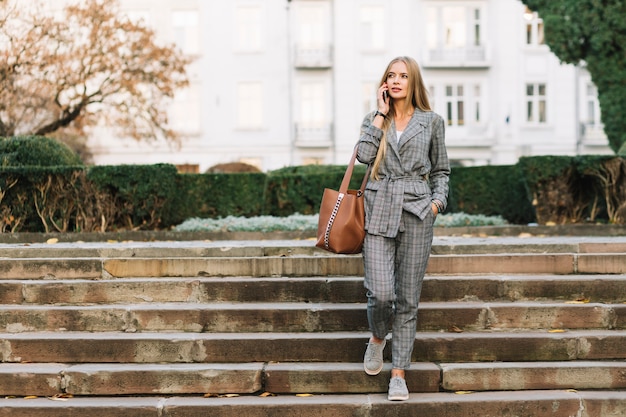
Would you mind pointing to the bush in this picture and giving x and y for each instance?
(496, 190)
(38, 151)
(143, 195)
(219, 195)
(299, 189)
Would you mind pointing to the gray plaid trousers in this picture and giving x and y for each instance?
(394, 273)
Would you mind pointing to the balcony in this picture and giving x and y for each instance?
(314, 136)
(475, 136)
(593, 135)
(313, 57)
(467, 57)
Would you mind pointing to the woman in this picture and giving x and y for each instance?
(403, 140)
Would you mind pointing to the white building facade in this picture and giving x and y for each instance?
(278, 83)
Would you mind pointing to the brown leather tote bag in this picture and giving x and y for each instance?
(341, 225)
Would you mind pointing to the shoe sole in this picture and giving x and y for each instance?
(374, 372)
(369, 371)
(398, 398)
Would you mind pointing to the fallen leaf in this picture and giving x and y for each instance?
(60, 397)
(52, 241)
(578, 301)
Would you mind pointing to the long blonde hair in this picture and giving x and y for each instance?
(417, 97)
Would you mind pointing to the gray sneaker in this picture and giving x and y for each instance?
(398, 390)
(373, 360)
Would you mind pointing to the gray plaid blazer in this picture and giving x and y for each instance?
(414, 172)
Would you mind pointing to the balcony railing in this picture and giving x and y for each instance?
(475, 136)
(593, 135)
(314, 136)
(311, 57)
(469, 57)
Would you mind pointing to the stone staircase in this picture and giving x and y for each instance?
(507, 327)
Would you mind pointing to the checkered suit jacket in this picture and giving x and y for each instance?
(414, 172)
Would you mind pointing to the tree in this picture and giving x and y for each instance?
(87, 66)
(593, 32)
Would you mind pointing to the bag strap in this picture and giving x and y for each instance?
(348, 175)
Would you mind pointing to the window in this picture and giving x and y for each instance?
(432, 96)
(313, 104)
(593, 106)
(461, 105)
(139, 17)
(313, 160)
(476, 103)
(185, 110)
(534, 28)
(536, 103)
(313, 23)
(454, 27)
(186, 30)
(455, 34)
(368, 93)
(249, 29)
(249, 105)
(455, 106)
(476, 25)
(372, 27)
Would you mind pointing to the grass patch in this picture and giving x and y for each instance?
(301, 222)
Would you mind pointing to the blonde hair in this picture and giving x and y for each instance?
(417, 97)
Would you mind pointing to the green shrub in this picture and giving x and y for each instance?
(295, 190)
(219, 195)
(142, 194)
(39, 151)
(495, 190)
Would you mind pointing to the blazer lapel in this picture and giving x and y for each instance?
(415, 125)
(392, 138)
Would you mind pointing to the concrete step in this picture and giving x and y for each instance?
(176, 347)
(150, 328)
(595, 288)
(305, 317)
(447, 245)
(542, 403)
(303, 266)
(105, 379)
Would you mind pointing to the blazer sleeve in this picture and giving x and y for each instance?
(440, 170)
(369, 141)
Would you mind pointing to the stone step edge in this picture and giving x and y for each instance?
(135, 290)
(104, 379)
(294, 248)
(563, 264)
(306, 317)
(117, 347)
(486, 404)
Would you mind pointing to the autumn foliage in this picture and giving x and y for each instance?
(86, 65)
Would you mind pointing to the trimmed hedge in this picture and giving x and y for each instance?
(41, 151)
(497, 190)
(148, 197)
(219, 195)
